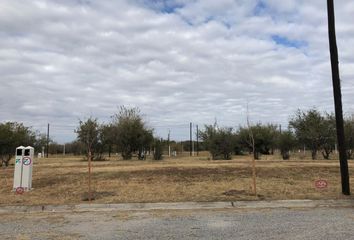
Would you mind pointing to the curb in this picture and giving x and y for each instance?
(180, 206)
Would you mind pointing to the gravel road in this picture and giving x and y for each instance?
(282, 223)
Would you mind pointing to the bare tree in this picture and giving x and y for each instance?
(251, 137)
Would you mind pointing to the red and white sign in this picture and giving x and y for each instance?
(27, 161)
(20, 190)
(321, 184)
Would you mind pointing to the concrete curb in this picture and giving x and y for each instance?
(180, 206)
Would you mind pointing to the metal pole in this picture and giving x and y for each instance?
(89, 145)
(48, 141)
(89, 176)
(190, 137)
(197, 141)
(169, 147)
(337, 99)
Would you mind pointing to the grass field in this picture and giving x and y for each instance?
(63, 180)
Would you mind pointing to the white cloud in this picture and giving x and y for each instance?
(179, 61)
(278, 81)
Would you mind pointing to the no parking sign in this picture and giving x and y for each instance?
(27, 161)
(20, 190)
(321, 184)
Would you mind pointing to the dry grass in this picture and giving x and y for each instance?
(64, 180)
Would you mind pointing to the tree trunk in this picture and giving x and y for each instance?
(314, 154)
(326, 153)
(127, 155)
(285, 155)
(7, 160)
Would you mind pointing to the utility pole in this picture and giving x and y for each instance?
(89, 176)
(337, 99)
(64, 150)
(197, 141)
(48, 141)
(190, 138)
(193, 148)
(89, 145)
(168, 140)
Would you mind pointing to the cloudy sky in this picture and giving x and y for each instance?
(179, 61)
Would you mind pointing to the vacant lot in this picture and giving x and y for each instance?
(63, 180)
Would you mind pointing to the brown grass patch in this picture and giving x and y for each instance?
(64, 180)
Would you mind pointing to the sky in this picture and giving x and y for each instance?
(179, 61)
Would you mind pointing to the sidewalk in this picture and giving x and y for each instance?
(181, 206)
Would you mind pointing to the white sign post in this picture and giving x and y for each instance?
(23, 169)
(18, 167)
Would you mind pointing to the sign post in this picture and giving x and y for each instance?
(23, 169)
(18, 167)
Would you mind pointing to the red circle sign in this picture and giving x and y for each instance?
(20, 190)
(321, 183)
(27, 161)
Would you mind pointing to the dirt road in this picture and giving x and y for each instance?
(230, 223)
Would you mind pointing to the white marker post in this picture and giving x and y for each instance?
(27, 163)
(23, 169)
(18, 167)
